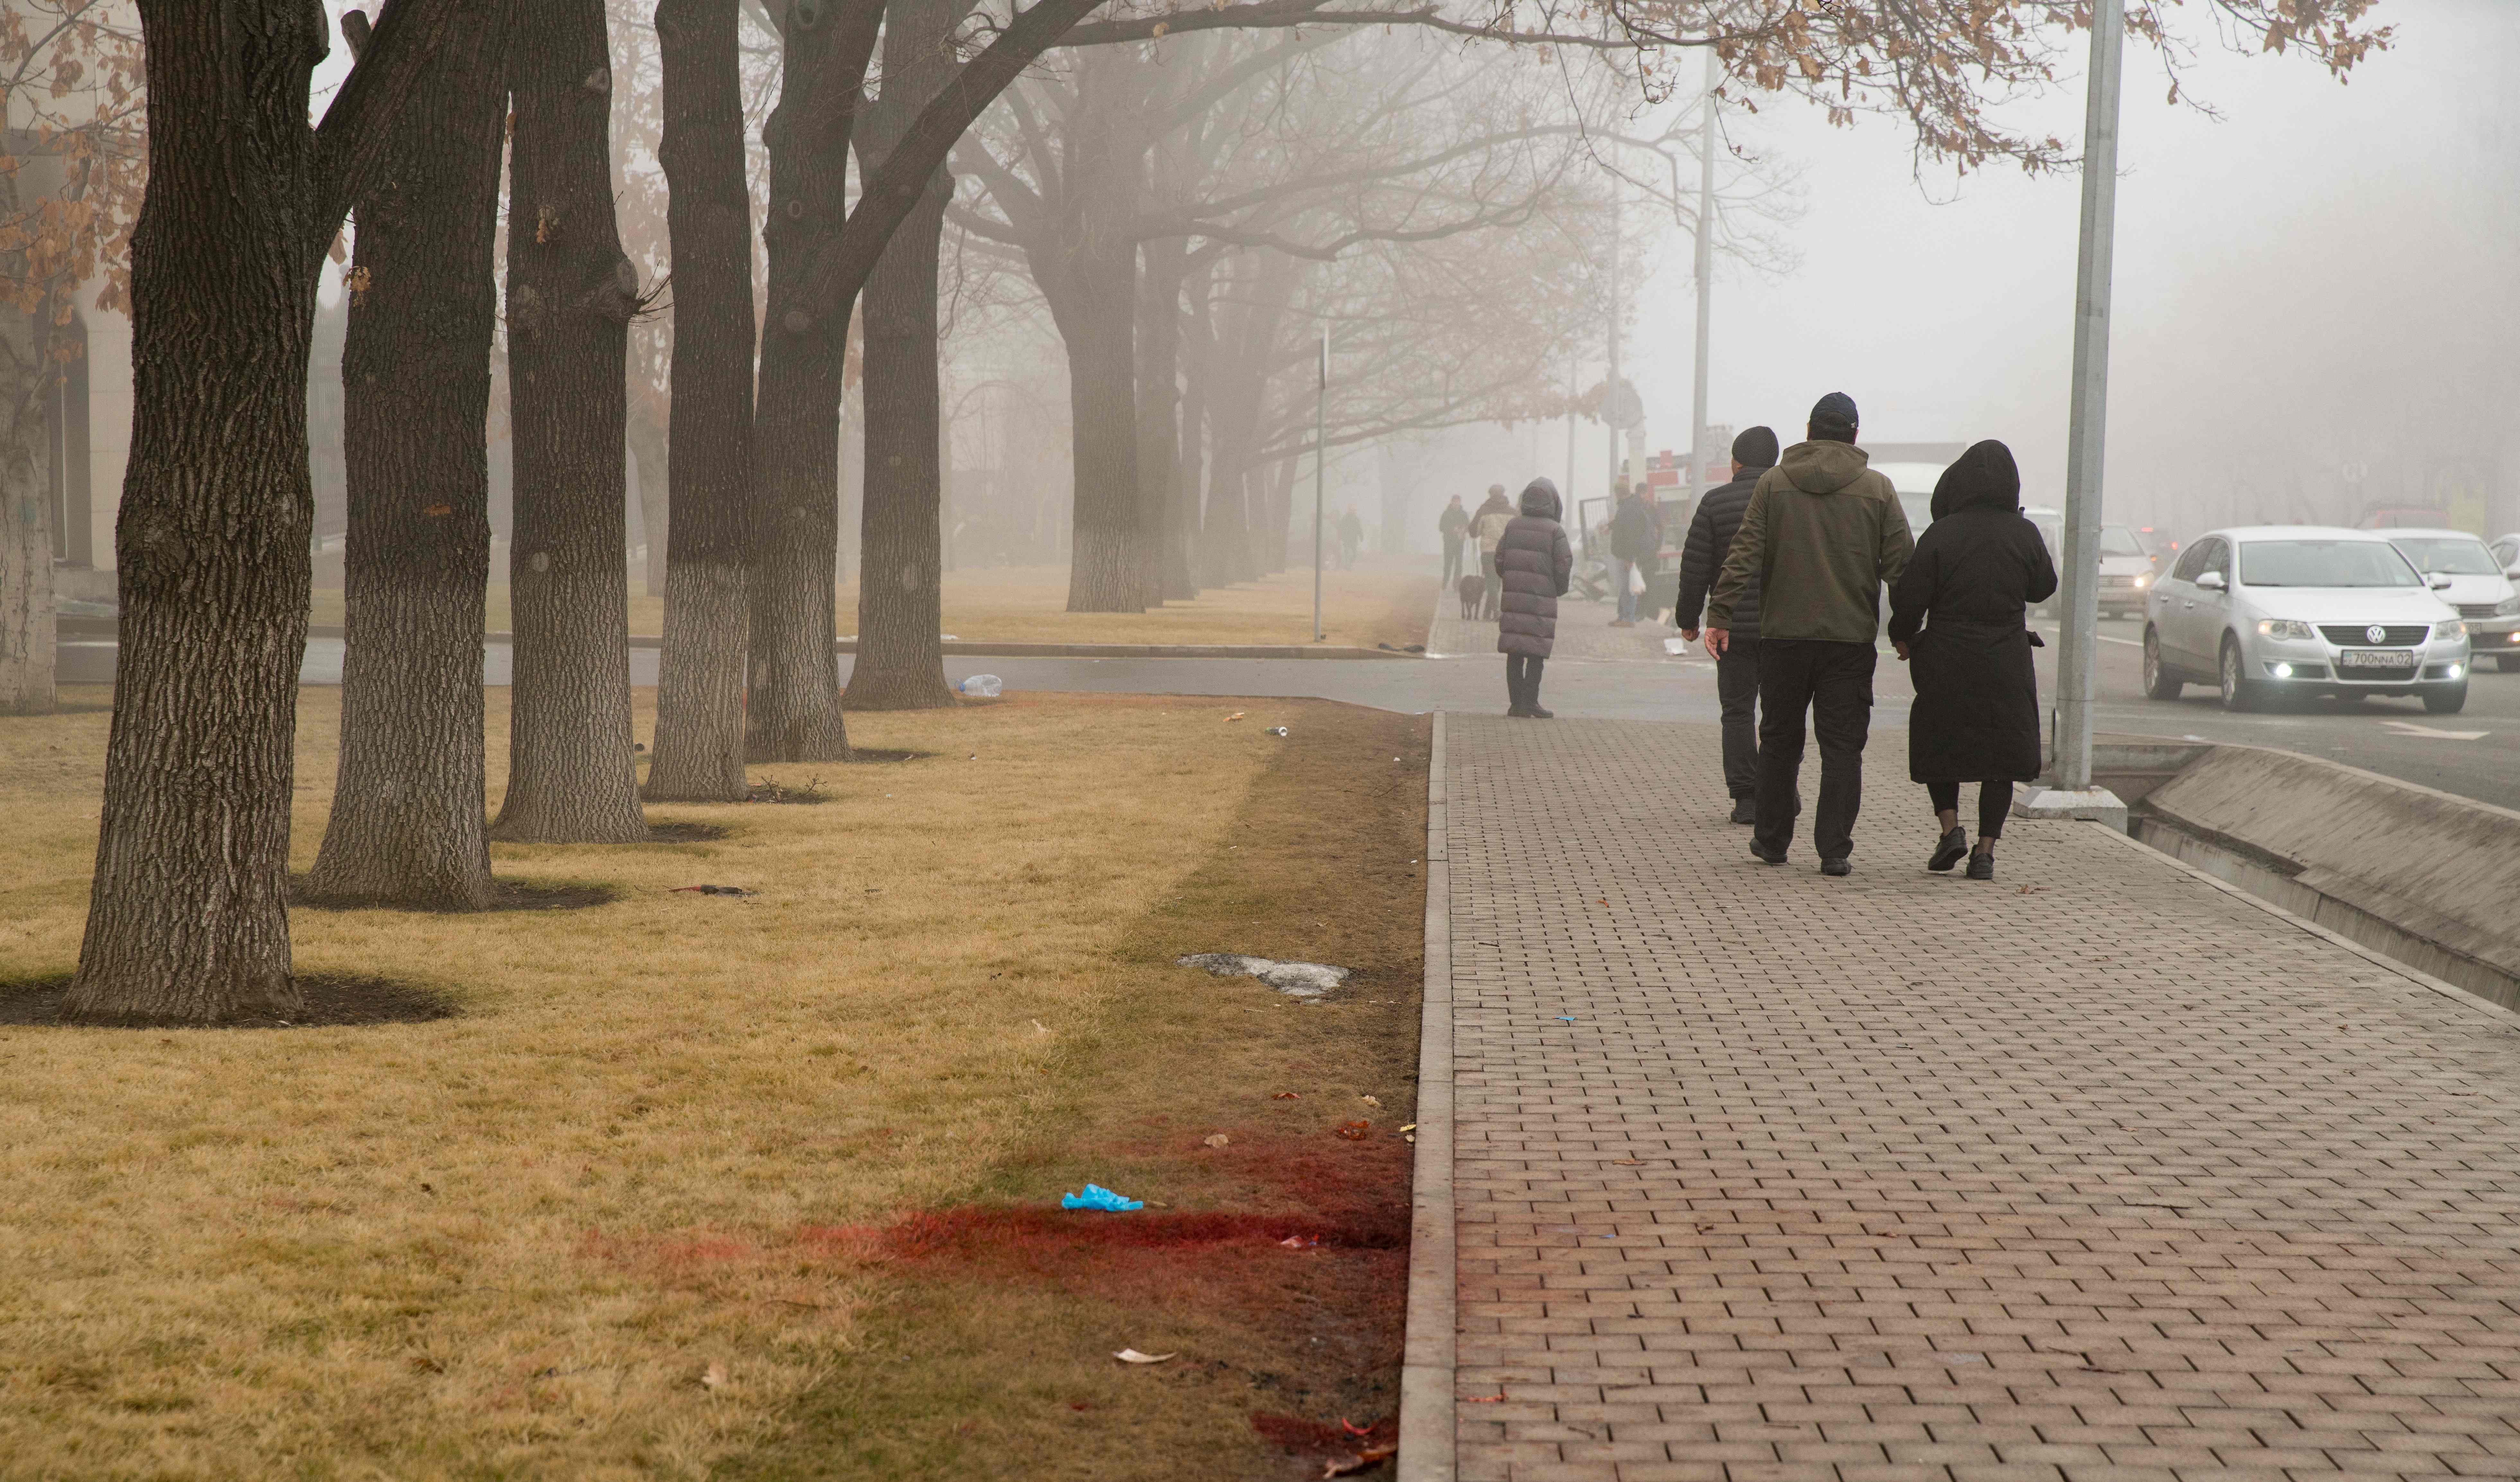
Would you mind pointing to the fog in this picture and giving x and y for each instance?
(2311, 287)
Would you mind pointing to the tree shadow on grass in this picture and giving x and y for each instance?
(505, 895)
(332, 999)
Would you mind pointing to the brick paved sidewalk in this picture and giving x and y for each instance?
(2095, 1171)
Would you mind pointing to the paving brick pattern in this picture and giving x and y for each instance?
(2095, 1171)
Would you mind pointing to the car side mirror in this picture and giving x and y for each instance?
(2438, 582)
(2210, 581)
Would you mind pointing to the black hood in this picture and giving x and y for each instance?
(1984, 478)
(1540, 499)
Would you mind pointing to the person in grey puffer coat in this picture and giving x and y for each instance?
(1736, 673)
(1535, 564)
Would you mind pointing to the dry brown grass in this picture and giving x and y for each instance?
(1371, 605)
(504, 1244)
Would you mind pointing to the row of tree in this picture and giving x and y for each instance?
(1151, 162)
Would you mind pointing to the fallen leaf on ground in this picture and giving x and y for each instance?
(1412, 1127)
(1216, 1140)
(1369, 1100)
(715, 1378)
(1355, 1131)
(1288, 1095)
(1372, 1455)
(1236, 715)
(1132, 1356)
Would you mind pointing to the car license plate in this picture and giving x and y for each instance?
(2398, 660)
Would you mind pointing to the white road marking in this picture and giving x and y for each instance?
(2408, 727)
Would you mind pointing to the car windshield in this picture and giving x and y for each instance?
(2324, 564)
(2118, 540)
(2447, 555)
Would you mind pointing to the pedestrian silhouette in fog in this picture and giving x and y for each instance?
(1535, 562)
(1958, 615)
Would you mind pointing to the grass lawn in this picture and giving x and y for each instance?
(1375, 604)
(756, 1188)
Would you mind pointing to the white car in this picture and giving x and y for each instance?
(2479, 588)
(2126, 572)
(2293, 610)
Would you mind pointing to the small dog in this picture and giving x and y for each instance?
(1474, 593)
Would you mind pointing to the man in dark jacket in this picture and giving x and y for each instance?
(1737, 670)
(1824, 533)
(1449, 529)
(1636, 539)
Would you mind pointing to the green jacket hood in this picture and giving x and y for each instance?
(1823, 467)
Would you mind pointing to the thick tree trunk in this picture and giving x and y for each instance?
(1099, 328)
(1191, 473)
(900, 663)
(700, 745)
(1280, 481)
(1160, 430)
(188, 919)
(407, 810)
(27, 634)
(794, 713)
(571, 295)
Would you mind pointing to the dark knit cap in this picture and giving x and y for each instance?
(1756, 448)
(1834, 416)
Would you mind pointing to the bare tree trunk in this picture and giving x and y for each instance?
(900, 662)
(1160, 430)
(571, 295)
(1191, 475)
(407, 810)
(1105, 574)
(649, 452)
(28, 635)
(188, 916)
(1281, 500)
(794, 713)
(700, 681)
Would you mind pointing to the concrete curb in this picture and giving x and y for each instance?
(982, 647)
(2371, 955)
(1427, 1430)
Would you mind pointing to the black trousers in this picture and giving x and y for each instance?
(1495, 587)
(1522, 681)
(1452, 563)
(1994, 802)
(1736, 688)
(1833, 680)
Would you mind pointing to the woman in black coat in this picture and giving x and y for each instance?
(1535, 564)
(1958, 616)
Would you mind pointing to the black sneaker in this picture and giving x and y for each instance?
(1745, 810)
(1836, 867)
(1764, 857)
(1947, 853)
(1982, 866)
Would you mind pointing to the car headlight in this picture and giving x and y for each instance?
(2285, 627)
(2506, 607)
(2449, 631)
(2145, 580)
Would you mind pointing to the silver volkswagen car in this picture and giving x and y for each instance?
(2293, 609)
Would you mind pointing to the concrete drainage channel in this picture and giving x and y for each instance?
(2427, 878)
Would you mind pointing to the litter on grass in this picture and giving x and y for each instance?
(1132, 1356)
(1300, 1243)
(1296, 980)
(1216, 1140)
(1277, 730)
(984, 685)
(712, 890)
(1356, 1131)
(1095, 1196)
(1230, 719)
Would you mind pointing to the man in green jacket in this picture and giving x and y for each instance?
(1824, 534)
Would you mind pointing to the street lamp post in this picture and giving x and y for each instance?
(2073, 795)
(1321, 476)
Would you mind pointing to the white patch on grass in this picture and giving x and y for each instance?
(1296, 980)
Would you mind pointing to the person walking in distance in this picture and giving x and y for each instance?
(1450, 527)
(1535, 564)
(1636, 539)
(1958, 616)
(1488, 524)
(1737, 670)
(1823, 532)
(1351, 538)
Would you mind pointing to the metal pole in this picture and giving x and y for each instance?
(2089, 434)
(1698, 449)
(1321, 476)
(1610, 388)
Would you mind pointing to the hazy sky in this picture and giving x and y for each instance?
(2320, 276)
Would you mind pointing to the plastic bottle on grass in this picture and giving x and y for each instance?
(988, 685)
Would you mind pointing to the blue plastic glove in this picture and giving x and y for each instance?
(1095, 1196)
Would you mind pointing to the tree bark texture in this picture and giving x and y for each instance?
(188, 921)
(699, 752)
(27, 633)
(793, 711)
(407, 824)
(1166, 563)
(900, 660)
(571, 295)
